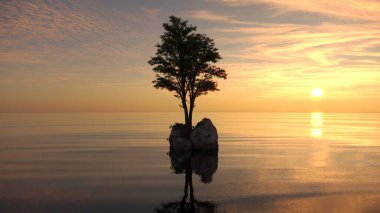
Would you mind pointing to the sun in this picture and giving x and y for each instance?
(316, 93)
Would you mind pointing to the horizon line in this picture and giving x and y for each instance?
(315, 111)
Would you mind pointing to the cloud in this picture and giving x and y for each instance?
(314, 45)
(16, 56)
(207, 15)
(285, 60)
(48, 31)
(152, 12)
(368, 10)
(36, 20)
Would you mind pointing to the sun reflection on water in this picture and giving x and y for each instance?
(316, 124)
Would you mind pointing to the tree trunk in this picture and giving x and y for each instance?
(191, 114)
(186, 111)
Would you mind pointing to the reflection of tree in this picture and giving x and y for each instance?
(203, 164)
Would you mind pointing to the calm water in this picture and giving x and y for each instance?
(118, 162)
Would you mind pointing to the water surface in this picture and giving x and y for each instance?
(119, 162)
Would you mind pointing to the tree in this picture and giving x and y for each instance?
(184, 64)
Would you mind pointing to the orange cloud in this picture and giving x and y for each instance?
(314, 45)
(368, 10)
(287, 60)
(211, 16)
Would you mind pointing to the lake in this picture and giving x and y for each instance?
(119, 162)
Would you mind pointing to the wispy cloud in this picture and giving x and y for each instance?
(39, 31)
(152, 12)
(317, 45)
(207, 15)
(285, 60)
(350, 9)
(36, 20)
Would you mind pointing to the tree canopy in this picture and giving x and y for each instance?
(184, 64)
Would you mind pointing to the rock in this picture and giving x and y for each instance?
(178, 130)
(204, 136)
(178, 138)
(181, 144)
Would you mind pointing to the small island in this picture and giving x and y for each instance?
(185, 64)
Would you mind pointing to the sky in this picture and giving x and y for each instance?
(90, 56)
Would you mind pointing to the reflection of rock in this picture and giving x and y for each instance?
(179, 161)
(204, 136)
(178, 138)
(205, 165)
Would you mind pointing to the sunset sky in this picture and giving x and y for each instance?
(92, 55)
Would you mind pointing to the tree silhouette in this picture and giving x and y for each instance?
(184, 64)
